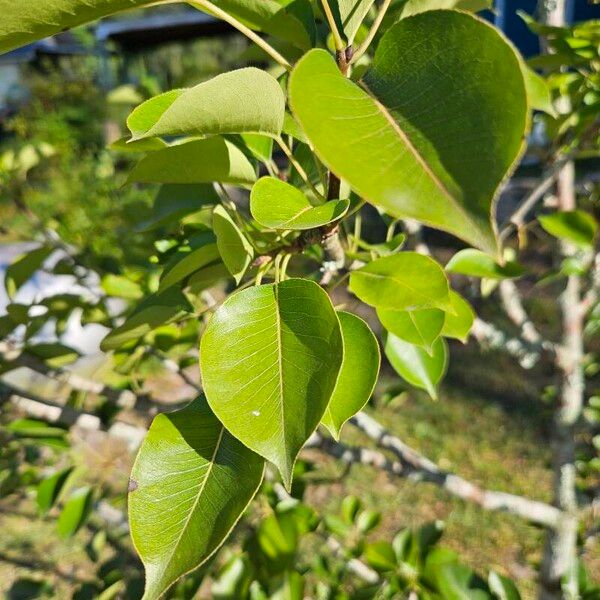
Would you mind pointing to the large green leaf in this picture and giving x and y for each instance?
(235, 250)
(279, 205)
(404, 281)
(358, 374)
(270, 357)
(419, 327)
(415, 365)
(191, 482)
(215, 107)
(198, 161)
(23, 268)
(26, 21)
(427, 134)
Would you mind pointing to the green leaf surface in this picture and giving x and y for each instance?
(235, 250)
(242, 101)
(358, 373)
(54, 354)
(23, 268)
(428, 121)
(191, 482)
(154, 311)
(474, 263)
(121, 287)
(26, 21)
(414, 7)
(208, 276)
(270, 358)
(419, 327)
(187, 263)
(50, 488)
(576, 226)
(404, 281)
(35, 429)
(279, 205)
(415, 365)
(538, 92)
(198, 161)
(75, 512)
(502, 587)
(458, 324)
(381, 556)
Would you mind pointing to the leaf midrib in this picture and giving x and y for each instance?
(417, 155)
(167, 563)
(280, 366)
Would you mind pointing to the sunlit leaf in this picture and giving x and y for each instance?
(270, 357)
(279, 205)
(191, 482)
(576, 226)
(477, 264)
(457, 324)
(358, 374)
(50, 488)
(419, 327)
(235, 250)
(75, 511)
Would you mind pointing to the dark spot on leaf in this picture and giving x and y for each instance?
(133, 485)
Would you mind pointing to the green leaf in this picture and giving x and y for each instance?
(279, 205)
(214, 107)
(349, 15)
(208, 277)
(173, 202)
(405, 281)
(235, 250)
(26, 21)
(50, 488)
(22, 269)
(576, 226)
(381, 556)
(75, 512)
(358, 373)
(458, 324)
(477, 264)
(419, 327)
(270, 357)
(502, 587)
(121, 287)
(54, 354)
(415, 365)
(198, 161)
(414, 7)
(188, 263)
(154, 311)
(190, 484)
(538, 92)
(35, 429)
(394, 153)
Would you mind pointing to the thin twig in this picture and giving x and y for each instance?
(340, 46)
(372, 32)
(207, 6)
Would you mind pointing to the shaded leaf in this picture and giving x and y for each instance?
(458, 324)
(576, 226)
(23, 268)
(235, 250)
(415, 365)
(477, 264)
(270, 357)
(279, 205)
(502, 587)
(358, 373)
(193, 482)
(419, 327)
(75, 512)
(198, 161)
(54, 354)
